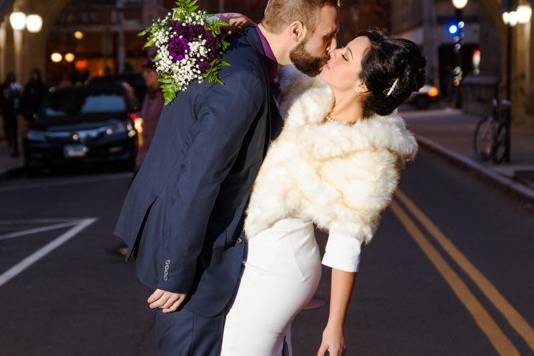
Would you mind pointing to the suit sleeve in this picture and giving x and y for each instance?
(224, 115)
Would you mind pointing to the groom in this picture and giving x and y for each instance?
(183, 216)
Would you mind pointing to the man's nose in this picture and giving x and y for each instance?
(332, 46)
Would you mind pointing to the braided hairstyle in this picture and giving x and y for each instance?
(391, 69)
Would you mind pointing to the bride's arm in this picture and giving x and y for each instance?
(235, 20)
(333, 340)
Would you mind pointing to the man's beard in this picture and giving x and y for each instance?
(305, 62)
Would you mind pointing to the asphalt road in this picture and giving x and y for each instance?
(450, 272)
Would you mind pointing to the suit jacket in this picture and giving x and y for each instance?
(183, 216)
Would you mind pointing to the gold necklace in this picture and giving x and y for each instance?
(329, 118)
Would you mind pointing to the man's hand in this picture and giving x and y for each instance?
(167, 301)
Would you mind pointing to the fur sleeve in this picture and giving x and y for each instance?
(364, 183)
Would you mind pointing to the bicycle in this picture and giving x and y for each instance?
(492, 133)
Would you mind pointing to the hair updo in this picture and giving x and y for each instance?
(386, 61)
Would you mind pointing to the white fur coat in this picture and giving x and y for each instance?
(340, 176)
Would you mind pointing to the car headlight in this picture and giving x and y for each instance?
(33, 135)
(116, 129)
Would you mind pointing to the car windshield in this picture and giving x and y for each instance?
(72, 103)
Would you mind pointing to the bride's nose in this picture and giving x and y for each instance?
(334, 53)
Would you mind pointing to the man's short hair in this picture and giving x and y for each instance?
(281, 13)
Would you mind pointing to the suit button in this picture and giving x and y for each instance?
(239, 240)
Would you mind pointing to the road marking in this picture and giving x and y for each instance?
(483, 319)
(45, 250)
(35, 221)
(36, 230)
(46, 184)
(514, 318)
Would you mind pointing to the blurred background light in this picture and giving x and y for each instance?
(56, 57)
(453, 29)
(459, 4)
(18, 20)
(34, 23)
(69, 57)
(524, 13)
(78, 35)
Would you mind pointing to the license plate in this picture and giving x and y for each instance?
(74, 151)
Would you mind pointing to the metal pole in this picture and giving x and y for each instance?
(509, 58)
(121, 50)
(17, 43)
(458, 73)
(429, 41)
(2, 50)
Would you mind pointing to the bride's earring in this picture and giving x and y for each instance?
(361, 89)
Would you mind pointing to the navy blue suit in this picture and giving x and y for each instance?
(183, 216)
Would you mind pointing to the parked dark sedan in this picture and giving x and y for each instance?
(135, 80)
(84, 125)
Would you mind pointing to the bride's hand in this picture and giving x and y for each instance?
(333, 341)
(235, 20)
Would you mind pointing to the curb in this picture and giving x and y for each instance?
(6, 173)
(504, 182)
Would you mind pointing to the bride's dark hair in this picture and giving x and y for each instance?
(385, 62)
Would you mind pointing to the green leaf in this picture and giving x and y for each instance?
(187, 5)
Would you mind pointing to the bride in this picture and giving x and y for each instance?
(336, 164)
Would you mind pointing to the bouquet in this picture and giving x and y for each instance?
(189, 46)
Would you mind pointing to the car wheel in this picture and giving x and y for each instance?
(32, 171)
(130, 165)
(422, 103)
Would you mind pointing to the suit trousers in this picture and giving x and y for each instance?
(281, 275)
(184, 333)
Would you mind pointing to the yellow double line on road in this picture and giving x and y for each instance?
(483, 319)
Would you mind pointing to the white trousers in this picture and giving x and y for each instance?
(282, 273)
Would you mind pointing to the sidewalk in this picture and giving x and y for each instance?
(8, 163)
(449, 133)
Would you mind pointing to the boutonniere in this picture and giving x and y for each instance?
(189, 47)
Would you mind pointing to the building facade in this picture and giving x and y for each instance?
(427, 22)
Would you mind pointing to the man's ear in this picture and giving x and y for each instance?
(297, 31)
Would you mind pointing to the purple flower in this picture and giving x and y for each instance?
(204, 65)
(178, 45)
(177, 27)
(178, 48)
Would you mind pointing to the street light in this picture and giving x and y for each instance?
(17, 20)
(512, 16)
(524, 13)
(458, 32)
(34, 23)
(459, 4)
